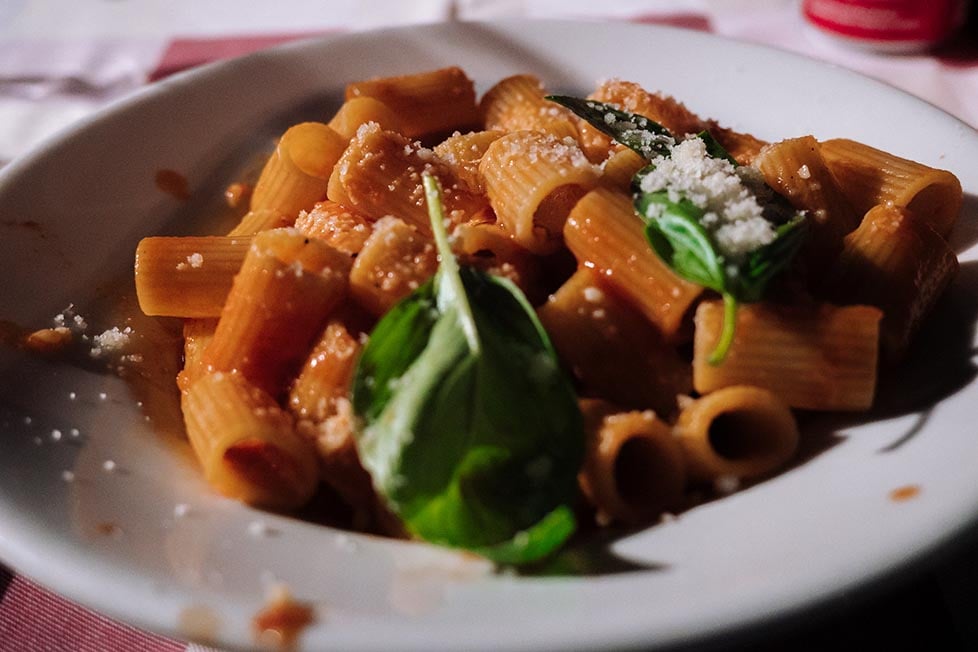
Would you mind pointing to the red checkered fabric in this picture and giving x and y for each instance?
(32, 619)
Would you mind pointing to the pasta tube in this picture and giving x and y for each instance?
(874, 177)
(795, 169)
(325, 375)
(287, 287)
(898, 263)
(379, 174)
(610, 349)
(739, 431)
(197, 334)
(517, 104)
(619, 169)
(358, 111)
(633, 466)
(425, 103)
(818, 357)
(187, 276)
(462, 152)
(395, 260)
(533, 181)
(340, 227)
(604, 233)
(247, 444)
(297, 173)
(262, 219)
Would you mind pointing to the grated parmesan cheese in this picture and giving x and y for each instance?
(110, 341)
(732, 213)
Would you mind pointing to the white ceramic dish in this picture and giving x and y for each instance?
(72, 213)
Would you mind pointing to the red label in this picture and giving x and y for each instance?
(886, 20)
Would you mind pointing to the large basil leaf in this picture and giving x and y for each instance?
(469, 428)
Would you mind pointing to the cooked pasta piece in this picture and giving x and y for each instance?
(379, 174)
(261, 220)
(197, 334)
(604, 233)
(739, 431)
(319, 400)
(619, 169)
(516, 104)
(297, 173)
(287, 287)
(633, 466)
(395, 260)
(462, 152)
(533, 180)
(325, 375)
(874, 177)
(898, 263)
(438, 101)
(340, 227)
(247, 444)
(817, 357)
(795, 169)
(187, 276)
(358, 111)
(610, 349)
(489, 247)
(341, 469)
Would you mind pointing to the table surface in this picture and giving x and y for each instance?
(61, 60)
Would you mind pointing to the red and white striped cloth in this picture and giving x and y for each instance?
(53, 72)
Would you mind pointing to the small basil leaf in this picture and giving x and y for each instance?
(765, 262)
(645, 137)
(714, 148)
(680, 240)
(475, 437)
(535, 543)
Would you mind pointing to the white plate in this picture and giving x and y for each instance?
(72, 213)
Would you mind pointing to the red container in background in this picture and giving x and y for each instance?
(887, 25)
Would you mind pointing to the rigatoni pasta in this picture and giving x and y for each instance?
(633, 469)
(287, 286)
(533, 180)
(297, 173)
(900, 264)
(796, 169)
(634, 286)
(604, 234)
(187, 276)
(876, 177)
(817, 357)
(739, 431)
(247, 443)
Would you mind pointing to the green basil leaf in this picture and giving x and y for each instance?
(535, 543)
(680, 240)
(640, 134)
(715, 149)
(470, 430)
(764, 263)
